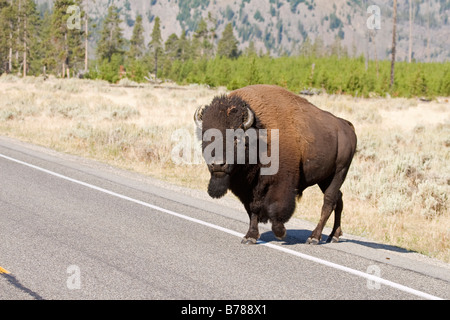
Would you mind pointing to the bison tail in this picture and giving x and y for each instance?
(351, 125)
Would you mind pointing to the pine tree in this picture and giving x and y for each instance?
(19, 26)
(137, 46)
(172, 48)
(48, 59)
(7, 19)
(394, 19)
(411, 8)
(318, 48)
(253, 75)
(67, 50)
(199, 38)
(17, 41)
(86, 42)
(110, 51)
(30, 37)
(203, 38)
(155, 44)
(185, 45)
(11, 25)
(77, 42)
(306, 47)
(111, 36)
(250, 51)
(211, 33)
(135, 64)
(59, 37)
(227, 46)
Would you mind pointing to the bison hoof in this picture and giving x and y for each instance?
(281, 237)
(333, 239)
(248, 241)
(312, 241)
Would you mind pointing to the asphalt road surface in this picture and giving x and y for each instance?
(72, 228)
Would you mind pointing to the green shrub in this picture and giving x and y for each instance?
(334, 75)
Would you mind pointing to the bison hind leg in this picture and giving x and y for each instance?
(327, 209)
(337, 231)
(332, 202)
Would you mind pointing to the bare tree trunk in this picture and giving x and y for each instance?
(428, 33)
(10, 54)
(156, 65)
(65, 65)
(18, 32)
(10, 45)
(86, 43)
(393, 43)
(375, 50)
(25, 47)
(367, 50)
(410, 30)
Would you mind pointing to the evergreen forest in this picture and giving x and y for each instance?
(55, 42)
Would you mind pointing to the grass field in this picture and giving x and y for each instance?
(397, 191)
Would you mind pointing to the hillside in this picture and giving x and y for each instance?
(281, 26)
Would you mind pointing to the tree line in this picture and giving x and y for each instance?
(56, 42)
(32, 44)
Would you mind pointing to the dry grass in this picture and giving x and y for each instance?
(397, 191)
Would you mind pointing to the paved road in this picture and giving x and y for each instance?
(72, 228)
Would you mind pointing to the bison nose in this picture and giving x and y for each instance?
(218, 166)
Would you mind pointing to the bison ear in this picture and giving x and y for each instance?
(198, 115)
(250, 119)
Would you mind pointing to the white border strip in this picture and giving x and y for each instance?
(237, 234)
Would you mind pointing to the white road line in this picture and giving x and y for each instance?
(237, 234)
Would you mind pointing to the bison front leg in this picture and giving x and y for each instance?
(278, 230)
(252, 235)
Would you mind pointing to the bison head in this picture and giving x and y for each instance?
(223, 124)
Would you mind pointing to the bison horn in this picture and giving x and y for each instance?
(250, 119)
(198, 116)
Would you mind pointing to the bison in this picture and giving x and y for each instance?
(314, 147)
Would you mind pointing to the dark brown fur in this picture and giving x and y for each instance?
(315, 147)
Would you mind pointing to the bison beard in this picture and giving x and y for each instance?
(218, 185)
